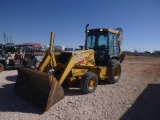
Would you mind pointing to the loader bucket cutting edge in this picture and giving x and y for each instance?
(38, 88)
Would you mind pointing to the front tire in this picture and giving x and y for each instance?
(89, 82)
(114, 71)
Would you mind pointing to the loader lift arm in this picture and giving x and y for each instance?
(49, 56)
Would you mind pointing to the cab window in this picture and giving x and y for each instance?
(91, 42)
(102, 41)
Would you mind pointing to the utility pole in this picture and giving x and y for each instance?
(4, 38)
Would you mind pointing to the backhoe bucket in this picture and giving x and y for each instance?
(39, 88)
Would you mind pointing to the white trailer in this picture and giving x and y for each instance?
(59, 48)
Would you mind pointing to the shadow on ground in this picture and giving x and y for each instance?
(72, 91)
(10, 68)
(146, 106)
(11, 78)
(75, 89)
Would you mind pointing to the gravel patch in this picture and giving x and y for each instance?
(135, 97)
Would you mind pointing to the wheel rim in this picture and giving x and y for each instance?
(91, 84)
(117, 72)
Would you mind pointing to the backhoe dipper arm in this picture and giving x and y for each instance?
(120, 40)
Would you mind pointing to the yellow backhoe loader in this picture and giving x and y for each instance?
(98, 60)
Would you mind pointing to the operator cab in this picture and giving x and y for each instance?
(105, 44)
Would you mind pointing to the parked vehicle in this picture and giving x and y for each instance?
(22, 58)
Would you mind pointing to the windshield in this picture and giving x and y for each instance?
(97, 41)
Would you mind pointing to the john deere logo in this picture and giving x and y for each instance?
(78, 58)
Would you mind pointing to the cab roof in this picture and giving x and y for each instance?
(103, 29)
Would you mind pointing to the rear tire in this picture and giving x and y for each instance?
(1, 67)
(89, 82)
(114, 71)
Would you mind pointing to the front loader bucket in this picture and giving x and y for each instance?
(39, 88)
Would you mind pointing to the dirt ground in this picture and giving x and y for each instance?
(135, 97)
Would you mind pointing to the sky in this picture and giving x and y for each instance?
(33, 20)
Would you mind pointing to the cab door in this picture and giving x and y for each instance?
(101, 50)
(113, 44)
